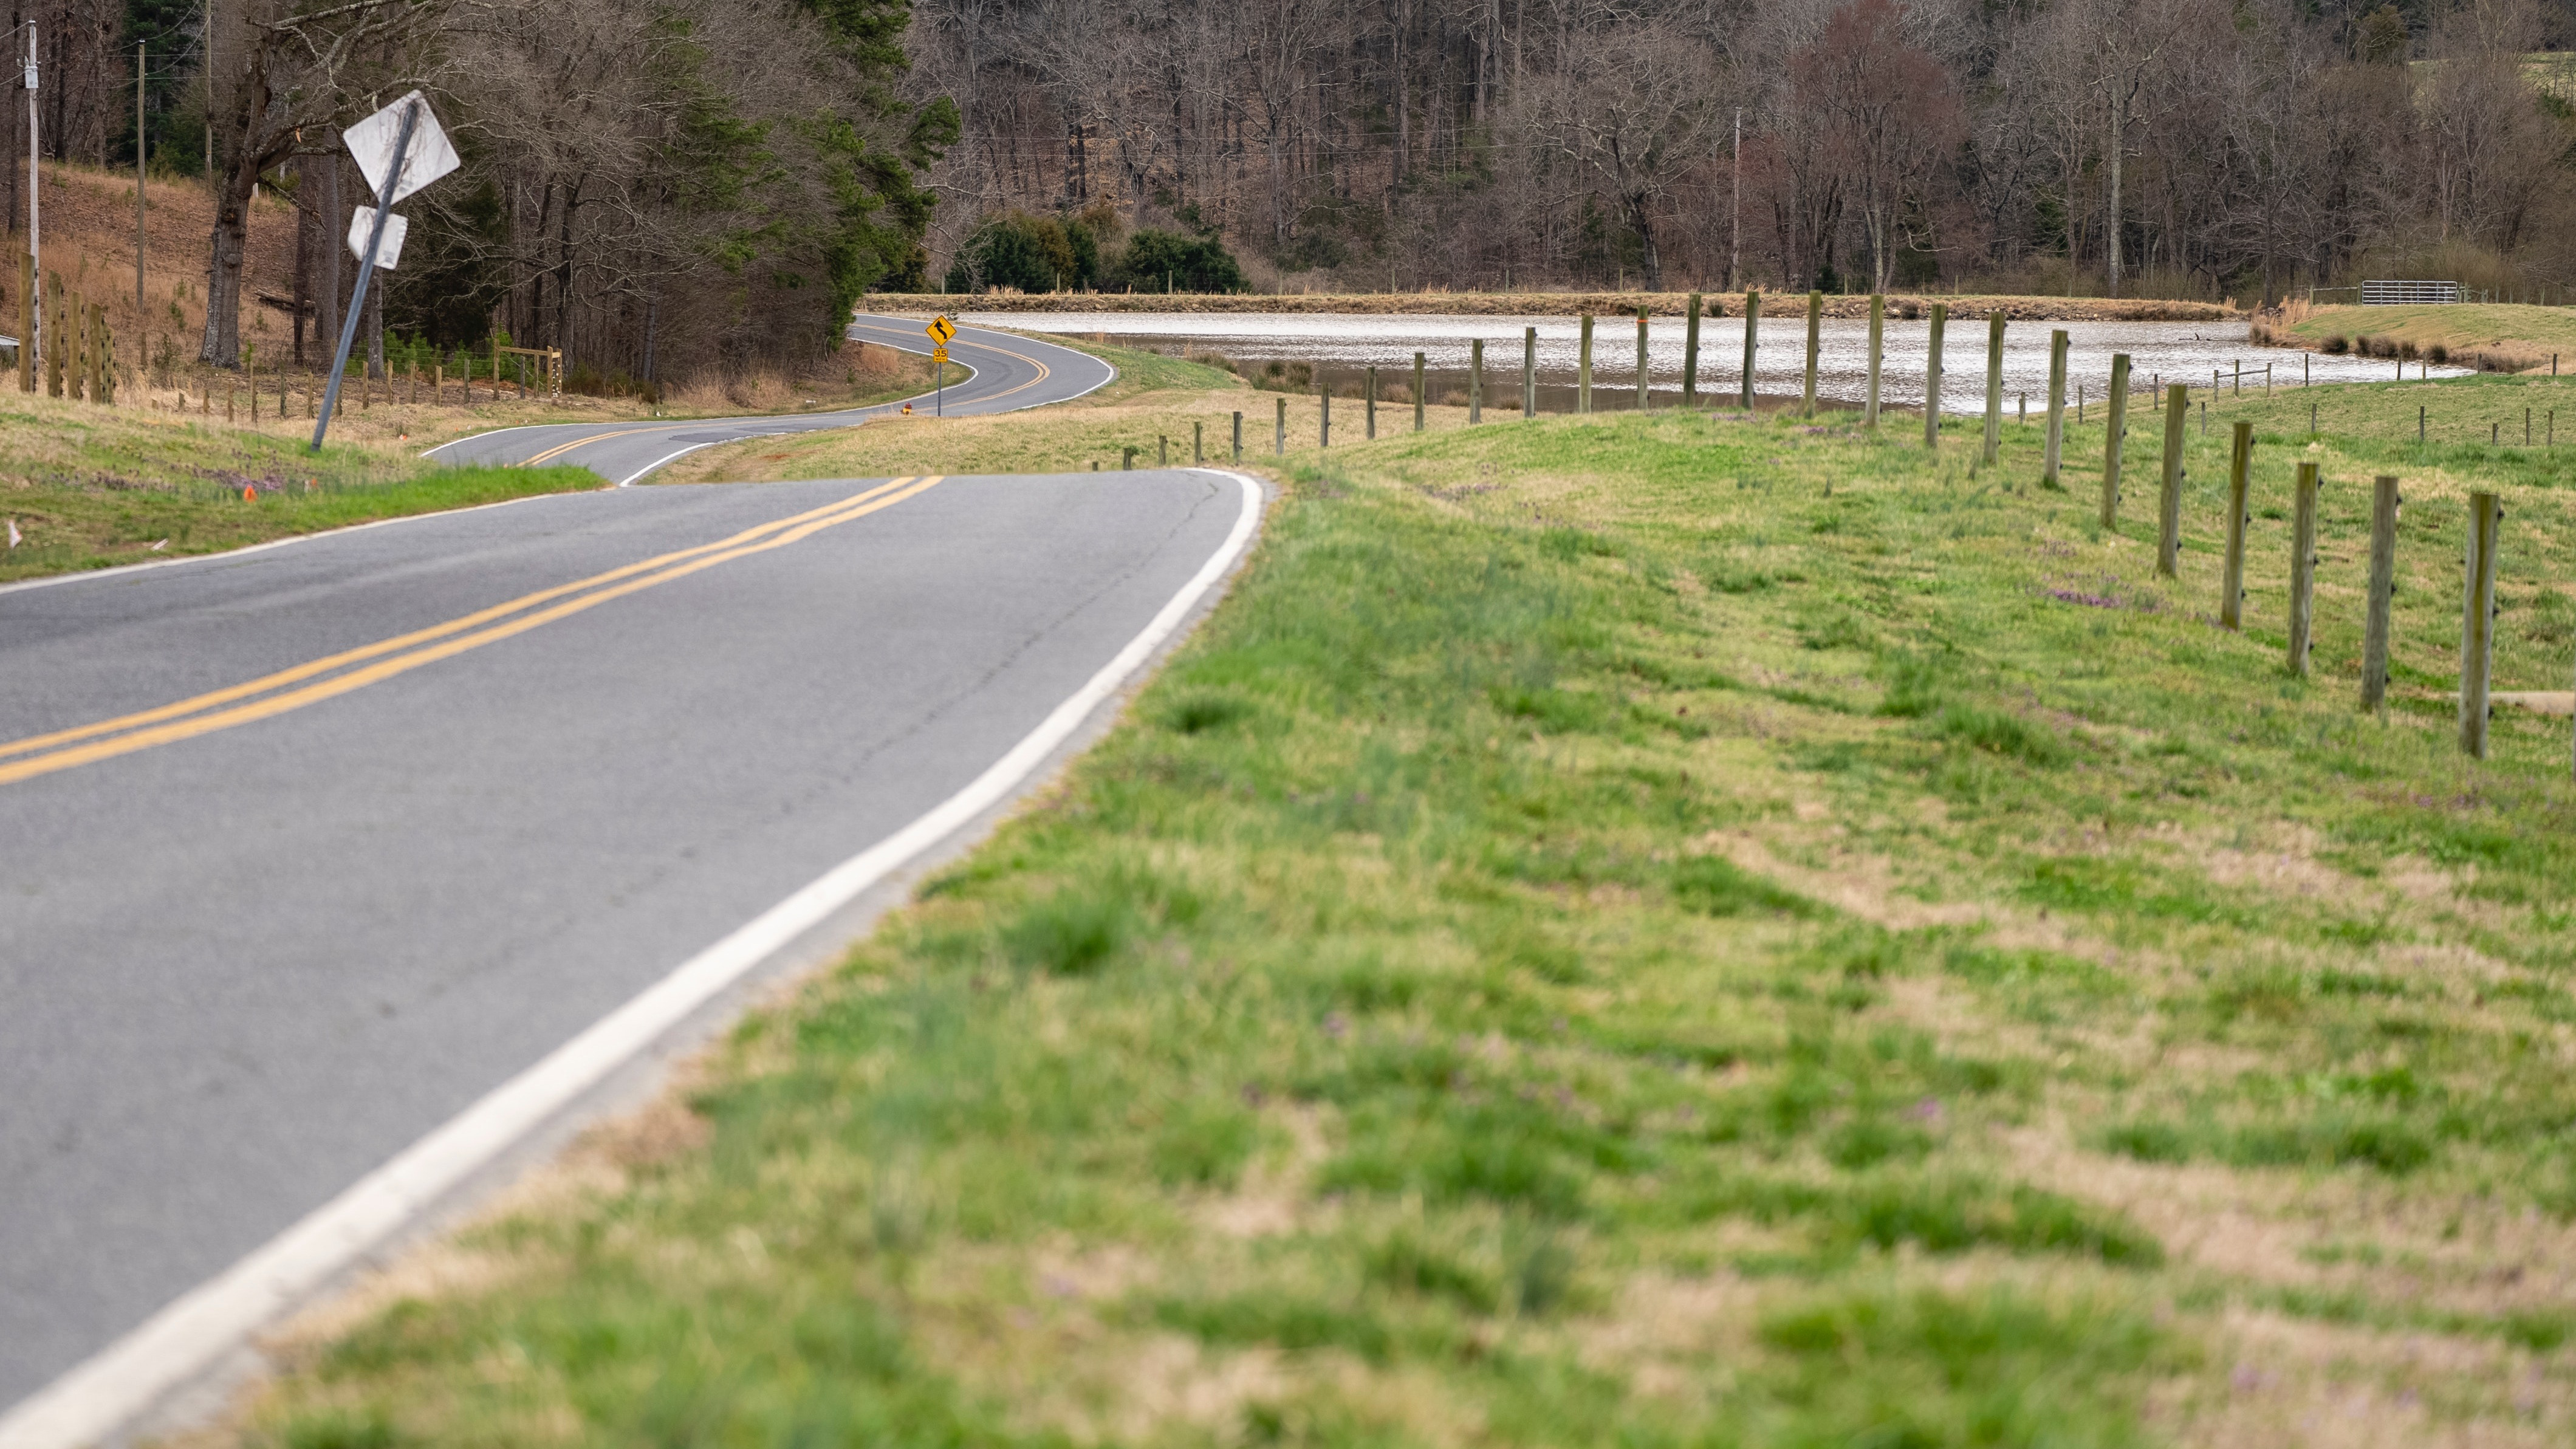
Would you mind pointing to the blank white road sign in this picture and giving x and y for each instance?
(428, 158)
(362, 224)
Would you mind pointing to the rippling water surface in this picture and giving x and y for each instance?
(1340, 346)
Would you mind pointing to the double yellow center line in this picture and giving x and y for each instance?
(355, 669)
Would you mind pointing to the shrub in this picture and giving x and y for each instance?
(1032, 253)
(2337, 346)
(2439, 353)
(1167, 261)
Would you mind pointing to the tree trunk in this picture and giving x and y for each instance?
(304, 230)
(332, 227)
(375, 325)
(231, 240)
(2111, 223)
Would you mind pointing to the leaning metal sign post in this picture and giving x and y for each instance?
(400, 149)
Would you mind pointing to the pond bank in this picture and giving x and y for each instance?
(1555, 304)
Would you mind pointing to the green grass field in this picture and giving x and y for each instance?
(1642, 931)
(90, 487)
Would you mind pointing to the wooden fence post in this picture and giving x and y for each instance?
(1994, 386)
(1126, 459)
(2115, 439)
(1198, 443)
(1162, 451)
(2055, 446)
(1279, 430)
(1690, 356)
(1529, 372)
(2169, 499)
(1932, 379)
(2240, 467)
(1418, 400)
(1476, 381)
(2303, 568)
(1238, 436)
(1815, 344)
(1877, 340)
(1752, 326)
(1324, 417)
(1369, 405)
(1583, 369)
(2477, 623)
(1641, 360)
(2383, 583)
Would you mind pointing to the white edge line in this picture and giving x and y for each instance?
(183, 1340)
(870, 414)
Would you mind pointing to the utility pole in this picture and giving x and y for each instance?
(35, 337)
(138, 178)
(1734, 205)
(210, 94)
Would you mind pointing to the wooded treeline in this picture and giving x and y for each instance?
(2165, 147)
(658, 187)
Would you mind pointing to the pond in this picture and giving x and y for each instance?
(1335, 349)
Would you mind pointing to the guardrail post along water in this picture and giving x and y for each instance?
(1752, 326)
(2169, 497)
(1815, 344)
(1994, 386)
(2477, 623)
(1641, 359)
(1690, 355)
(1529, 372)
(1583, 370)
(2115, 436)
(2303, 567)
(1877, 336)
(2240, 467)
(1932, 378)
(1417, 392)
(1475, 382)
(2383, 584)
(2055, 446)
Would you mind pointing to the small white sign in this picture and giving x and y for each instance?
(362, 224)
(428, 158)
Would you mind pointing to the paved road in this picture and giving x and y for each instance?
(253, 944)
(1011, 372)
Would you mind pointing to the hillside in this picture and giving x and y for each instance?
(88, 220)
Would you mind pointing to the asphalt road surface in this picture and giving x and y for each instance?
(1011, 373)
(303, 851)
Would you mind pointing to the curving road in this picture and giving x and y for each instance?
(338, 871)
(1011, 372)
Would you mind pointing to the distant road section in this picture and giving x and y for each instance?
(1011, 373)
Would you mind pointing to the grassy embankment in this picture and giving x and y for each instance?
(1647, 931)
(2502, 337)
(90, 487)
